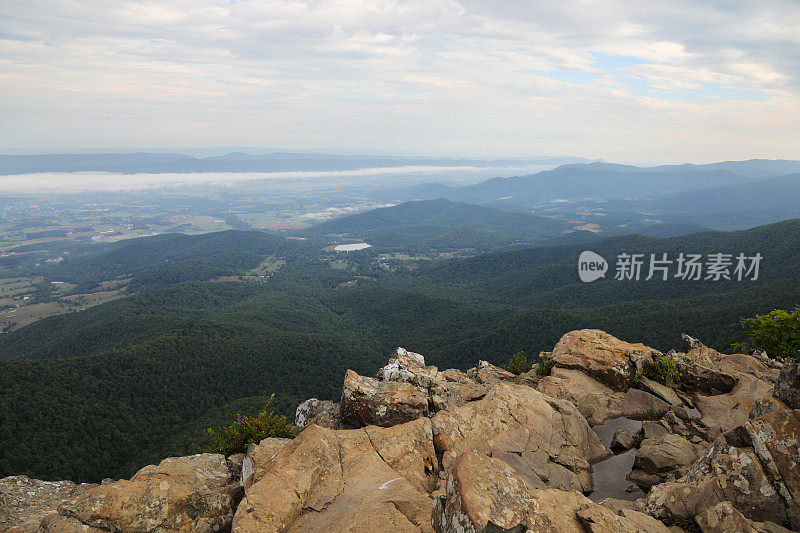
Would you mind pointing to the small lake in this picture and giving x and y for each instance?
(352, 247)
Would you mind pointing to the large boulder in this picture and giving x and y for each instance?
(787, 388)
(602, 356)
(198, 493)
(484, 494)
(368, 401)
(24, 502)
(363, 480)
(754, 467)
(550, 436)
(598, 403)
(665, 456)
(641, 405)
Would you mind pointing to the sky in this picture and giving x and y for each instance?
(628, 81)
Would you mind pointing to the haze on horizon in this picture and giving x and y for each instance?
(620, 80)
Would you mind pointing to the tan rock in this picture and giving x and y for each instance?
(596, 402)
(725, 518)
(602, 356)
(196, 493)
(367, 401)
(24, 502)
(550, 435)
(724, 412)
(752, 467)
(363, 480)
(258, 457)
(485, 494)
(641, 405)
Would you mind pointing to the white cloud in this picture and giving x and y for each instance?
(512, 77)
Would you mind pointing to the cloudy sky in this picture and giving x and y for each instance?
(629, 81)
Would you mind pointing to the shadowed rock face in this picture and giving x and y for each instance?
(367, 401)
(787, 389)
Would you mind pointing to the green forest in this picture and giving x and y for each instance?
(102, 392)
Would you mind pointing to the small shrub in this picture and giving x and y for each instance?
(518, 364)
(246, 430)
(545, 367)
(662, 369)
(777, 332)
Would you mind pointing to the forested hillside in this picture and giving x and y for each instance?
(100, 392)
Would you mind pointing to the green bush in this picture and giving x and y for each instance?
(247, 429)
(777, 332)
(518, 364)
(662, 369)
(544, 368)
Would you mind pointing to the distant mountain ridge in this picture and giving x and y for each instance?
(131, 163)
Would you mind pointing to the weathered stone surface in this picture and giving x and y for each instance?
(25, 501)
(488, 374)
(602, 356)
(257, 458)
(56, 523)
(725, 518)
(363, 480)
(641, 405)
(407, 367)
(323, 413)
(787, 388)
(754, 467)
(484, 494)
(550, 435)
(196, 493)
(367, 401)
(763, 406)
(723, 412)
(596, 402)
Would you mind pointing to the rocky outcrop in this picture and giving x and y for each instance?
(484, 494)
(787, 388)
(352, 480)
(24, 502)
(754, 467)
(421, 450)
(368, 401)
(602, 356)
(198, 493)
(550, 435)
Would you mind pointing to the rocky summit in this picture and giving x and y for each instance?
(601, 435)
